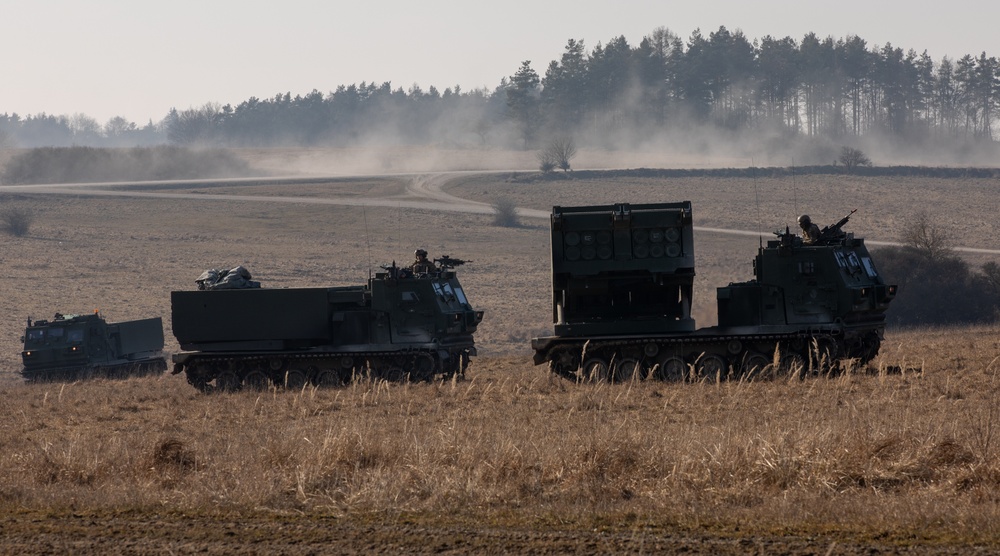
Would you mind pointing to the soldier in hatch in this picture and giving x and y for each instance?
(421, 265)
(810, 231)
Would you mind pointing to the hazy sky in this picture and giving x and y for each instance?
(138, 59)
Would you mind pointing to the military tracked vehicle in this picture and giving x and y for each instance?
(400, 325)
(622, 279)
(74, 347)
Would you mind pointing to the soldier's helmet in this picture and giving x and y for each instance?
(804, 220)
(420, 253)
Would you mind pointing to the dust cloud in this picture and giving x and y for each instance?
(472, 140)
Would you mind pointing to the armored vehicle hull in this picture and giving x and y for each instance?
(396, 326)
(75, 347)
(622, 282)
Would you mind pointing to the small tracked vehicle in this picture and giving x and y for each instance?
(75, 347)
(622, 278)
(400, 325)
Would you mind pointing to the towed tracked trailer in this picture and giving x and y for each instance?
(400, 325)
(622, 278)
(75, 347)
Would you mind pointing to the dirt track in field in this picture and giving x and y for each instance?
(424, 192)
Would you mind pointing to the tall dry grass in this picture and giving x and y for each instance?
(909, 448)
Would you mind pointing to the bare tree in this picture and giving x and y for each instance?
(926, 236)
(559, 151)
(118, 126)
(193, 126)
(82, 124)
(851, 158)
(545, 161)
(504, 213)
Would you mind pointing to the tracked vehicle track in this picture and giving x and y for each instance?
(123, 370)
(235, 371)
(704, 357)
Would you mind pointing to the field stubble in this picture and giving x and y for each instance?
(907, 454)
(890, 457)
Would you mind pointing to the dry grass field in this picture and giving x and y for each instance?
(898, 457)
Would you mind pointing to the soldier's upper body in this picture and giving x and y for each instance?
(810, 231)
(421, 265)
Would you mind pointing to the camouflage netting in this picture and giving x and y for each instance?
(232, 279)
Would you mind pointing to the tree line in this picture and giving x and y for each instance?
(837, 89)
(48, 130)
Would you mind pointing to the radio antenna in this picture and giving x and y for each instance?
(368, 240)
(756, 194)
(795, 201)
(399, 237)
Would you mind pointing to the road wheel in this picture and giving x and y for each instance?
(595, 369)
(711, 367)
(792, 364)
(394, 369)
(754, 365)
(327, 378)
(671, 368)
(256, 380)
(626, 369)
(296, 379)
(424, 366)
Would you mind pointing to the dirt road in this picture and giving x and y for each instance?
(423, 191)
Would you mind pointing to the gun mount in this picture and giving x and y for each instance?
(835, 231)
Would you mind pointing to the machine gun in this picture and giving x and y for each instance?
(394, 272)
(834, 231)
(448, 262)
